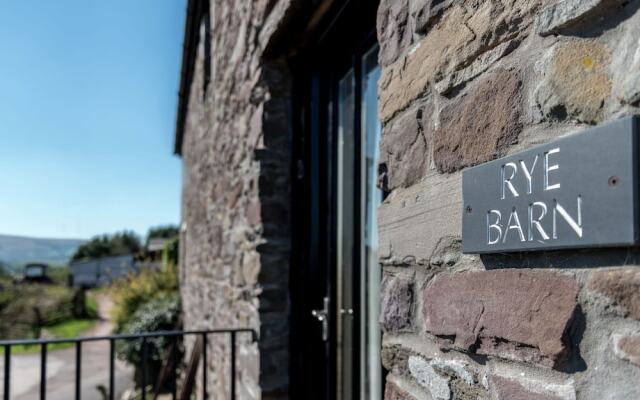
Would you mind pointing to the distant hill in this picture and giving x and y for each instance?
(15, 251)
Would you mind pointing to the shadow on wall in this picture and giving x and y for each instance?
(607, 20)
(573, 337)
(587, 258)
(274, 214)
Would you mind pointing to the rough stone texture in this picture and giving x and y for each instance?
(468, 134)
(577, 84)
(446, 379)
(404, 148)
(480, 65)
(395, 358)
(626, 57)
(447, 252)
(425, 12)
(396, 303)
(465, 31)
(394, 33)
(433, 209)
(401, 22)
(514, 314)
(393, 392)
(439, 376)
(499, 77)
(427, 377)
(628, 348)
(621, 286)
(234, 247)
(568, 13)
(526, 389)
(462, 82)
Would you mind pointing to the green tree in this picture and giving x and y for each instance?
(163, 232)
(121, 243)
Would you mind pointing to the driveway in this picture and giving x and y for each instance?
(25, 368)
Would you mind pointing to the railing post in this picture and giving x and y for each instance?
(174, 362)
(202, 340)
(112, 360)
(205, 395)
(143, 369)
(7, 372)
(43, 371)
(233, 365)
(78, 369)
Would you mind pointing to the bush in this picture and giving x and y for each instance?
(84, 307)
(59, 275)
(5, 275)
(159, 314)
(32, 307)
(147, 302)
(26, 309)
(170, 252)
(136, 290)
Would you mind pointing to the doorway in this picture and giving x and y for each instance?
(335, 275)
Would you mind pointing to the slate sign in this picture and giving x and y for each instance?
(578, 191)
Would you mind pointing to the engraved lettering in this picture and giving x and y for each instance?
(528, 172)
(515, 225)
(576, 226)
(495, 226)
(506, 182)
(548, 168)
(535, 221)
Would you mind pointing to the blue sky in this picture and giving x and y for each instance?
(87, 114)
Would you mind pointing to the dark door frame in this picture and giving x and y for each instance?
(343, 36)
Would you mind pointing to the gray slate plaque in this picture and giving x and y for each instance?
(578, 191)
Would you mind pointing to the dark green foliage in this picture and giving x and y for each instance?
(59, 274)
(83, 306)
(170, 252)
(26, 308)
(163, 232)
(160, 314)
(145, 302)
(4, 272)
(120, 243)
(138, 289)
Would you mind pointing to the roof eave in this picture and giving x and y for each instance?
(189, 51)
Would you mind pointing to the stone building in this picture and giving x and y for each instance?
(323, 146)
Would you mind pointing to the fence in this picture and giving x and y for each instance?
(200, 351)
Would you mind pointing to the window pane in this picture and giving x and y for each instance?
(345, 232)
(371, 378)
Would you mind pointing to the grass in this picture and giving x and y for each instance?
(65, 329)
(68, 328)
(71, 328)
(91, 306)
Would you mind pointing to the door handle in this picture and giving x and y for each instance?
(322, 315)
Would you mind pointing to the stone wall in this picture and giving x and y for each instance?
(464, 82)
(235, 231)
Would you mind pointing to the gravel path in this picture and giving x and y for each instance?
(25, 368)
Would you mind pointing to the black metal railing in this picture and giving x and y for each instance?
(202, 340)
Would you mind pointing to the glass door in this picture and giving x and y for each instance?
(345, 232)
(358, 273)
(335, 334)
(371, 276)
